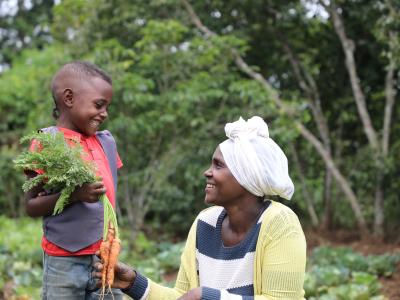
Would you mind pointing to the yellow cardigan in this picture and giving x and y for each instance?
(279, 264)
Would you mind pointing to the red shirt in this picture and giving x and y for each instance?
(94, 151)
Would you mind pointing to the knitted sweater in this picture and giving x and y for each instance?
(278, 266)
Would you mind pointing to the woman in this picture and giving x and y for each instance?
(245, 246)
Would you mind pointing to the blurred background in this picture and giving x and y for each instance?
(323, 74)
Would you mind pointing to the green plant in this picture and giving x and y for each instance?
(21, 256)
(342, 274)
(64, 169)
(383, 265)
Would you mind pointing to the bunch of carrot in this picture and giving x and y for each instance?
(109, 248)
(64, 170)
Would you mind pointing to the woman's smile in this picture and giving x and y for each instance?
(209, 186)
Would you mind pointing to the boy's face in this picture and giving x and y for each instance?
(88, 108)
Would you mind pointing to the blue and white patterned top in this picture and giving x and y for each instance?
(224, 271)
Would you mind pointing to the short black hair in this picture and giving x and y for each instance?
(83, 69)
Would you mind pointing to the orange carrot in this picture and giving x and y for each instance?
(104, 252)
(109, 251)
(110, 233)
(112, 261)
(104, 255)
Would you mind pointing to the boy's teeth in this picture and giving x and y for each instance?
(210, 185)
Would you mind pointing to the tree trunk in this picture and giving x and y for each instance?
(136, 208)
(390, 94)
(340, 179)
(359, 97)
(129, 207)
(306, 194)
(379, 216)
(328, 209)
(310, 88)
(245, 68)
(380, 151)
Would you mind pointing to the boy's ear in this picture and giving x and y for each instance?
(68, 97)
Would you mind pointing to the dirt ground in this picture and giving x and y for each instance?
(390, 286)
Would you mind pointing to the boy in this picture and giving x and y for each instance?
(82, 93)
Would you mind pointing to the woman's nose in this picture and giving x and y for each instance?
(208, 173)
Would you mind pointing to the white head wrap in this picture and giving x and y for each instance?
(255, 160)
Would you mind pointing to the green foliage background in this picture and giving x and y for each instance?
(175, 89)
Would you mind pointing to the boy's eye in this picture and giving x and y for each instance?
(99, 104)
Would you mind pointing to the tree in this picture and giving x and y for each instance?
(181, 71)
(23, 24)
(25, 105)
(379, 147)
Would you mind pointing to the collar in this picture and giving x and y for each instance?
(73, 135)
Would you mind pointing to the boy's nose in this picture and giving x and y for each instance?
(104, 114)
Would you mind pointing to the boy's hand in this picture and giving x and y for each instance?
(88, 192)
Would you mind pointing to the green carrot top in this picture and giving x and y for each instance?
(64, 169)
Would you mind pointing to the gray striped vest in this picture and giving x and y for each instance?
(81, 224)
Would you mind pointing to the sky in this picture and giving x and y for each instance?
(9, 7)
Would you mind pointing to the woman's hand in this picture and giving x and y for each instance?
(124, 275)
(193, 294)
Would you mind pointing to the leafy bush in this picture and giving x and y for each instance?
(332, 273)
(170, 256)
(153, 259)
(342, 274)
(382, 265)
(21, 256)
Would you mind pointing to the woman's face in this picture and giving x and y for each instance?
(222, 188)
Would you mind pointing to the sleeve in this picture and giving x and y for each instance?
(119, 162)
(144, 288)
(284, 257)
(33, 147)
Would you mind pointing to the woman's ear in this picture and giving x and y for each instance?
(68, 97)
